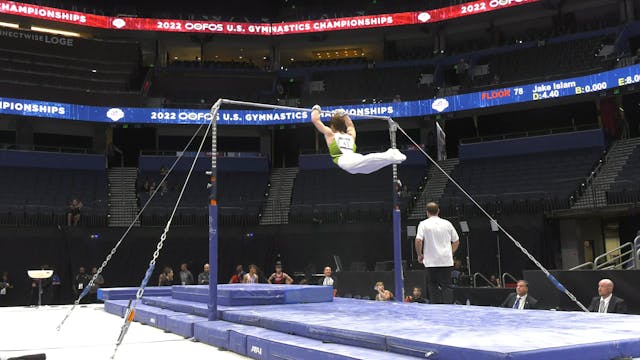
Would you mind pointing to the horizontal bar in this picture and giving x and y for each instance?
(290, 108)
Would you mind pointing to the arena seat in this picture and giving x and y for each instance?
(39, 186)
(626, 188)
(524, 183)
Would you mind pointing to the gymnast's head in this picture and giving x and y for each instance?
(337, 122)
(433, 209)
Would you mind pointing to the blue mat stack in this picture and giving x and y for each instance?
(305, 322)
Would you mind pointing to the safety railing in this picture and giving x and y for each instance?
(623, 257)
(585, 266)
(507, 275)
(479, 275)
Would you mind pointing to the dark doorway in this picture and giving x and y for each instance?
(133, 139)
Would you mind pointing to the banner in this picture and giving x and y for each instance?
(241, 28)
(464, 102)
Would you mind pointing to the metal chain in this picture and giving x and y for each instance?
(124, 235)
(131, 309)
(516, 242)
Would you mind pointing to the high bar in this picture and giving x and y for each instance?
(269, 106)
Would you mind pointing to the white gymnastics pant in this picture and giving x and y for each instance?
(355, 163)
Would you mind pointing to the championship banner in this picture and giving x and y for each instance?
(265, 29)
(594, 83)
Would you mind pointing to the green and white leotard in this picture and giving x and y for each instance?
(342, 143)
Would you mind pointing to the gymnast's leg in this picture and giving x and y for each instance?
(366, 164)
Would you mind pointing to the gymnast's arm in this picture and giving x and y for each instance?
(351, 129)
(315, 119)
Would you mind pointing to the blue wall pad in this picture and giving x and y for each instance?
(116, 307)
(127, 293)
(183, 324)
(153, 316)
(256, 294)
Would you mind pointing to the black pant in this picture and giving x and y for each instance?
(439, 285)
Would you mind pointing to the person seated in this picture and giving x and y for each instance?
(237, 277)
(606, 302)
(382, 295)
(252, 276)
(340, 137)
(203, 277)
(520, 299)
(279, 277)
(329, 280)
(166, 278)
(416, 296)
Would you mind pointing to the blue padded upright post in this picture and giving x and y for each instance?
(213, 218)
(397, 242)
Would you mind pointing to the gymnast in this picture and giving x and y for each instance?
(340, 136)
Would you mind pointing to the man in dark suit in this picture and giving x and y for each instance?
(328, 280)
(521, 298)
(607, 302)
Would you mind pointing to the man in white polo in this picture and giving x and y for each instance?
(436, 241)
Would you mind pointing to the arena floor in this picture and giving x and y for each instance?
(90, 333)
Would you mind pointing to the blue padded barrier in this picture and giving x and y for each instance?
(153, 316)
(116, 307)
(127, 293)
(256, 294)
(183, 324)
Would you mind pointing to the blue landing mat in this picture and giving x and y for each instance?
(126, 293)
(256, 294)
(259, 343)
(453, 331)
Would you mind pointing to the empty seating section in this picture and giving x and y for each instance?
(577, 57)
(333, 195)
(40, 195)
(352, 86)
(626, 188)
(89, 65)
(241, 193)
(201, 88)
(524, 183)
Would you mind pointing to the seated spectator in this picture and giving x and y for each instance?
(328, 280)
(456, 273)
(279, 277)
(5, 287)
(203, 277)
(146, 187)
(73, 213)
(186, 277)
(80, 281)
(238, 276)
(97, 284)
(606, 302)
(416, 296)
(520, 299)
(383, 294)
(163, 170)
(493, 279)
(166, 278)
(252, 276)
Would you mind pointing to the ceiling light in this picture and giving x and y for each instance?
(9, 25)
(55, 31)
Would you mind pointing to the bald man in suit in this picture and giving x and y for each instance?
(607, 302)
